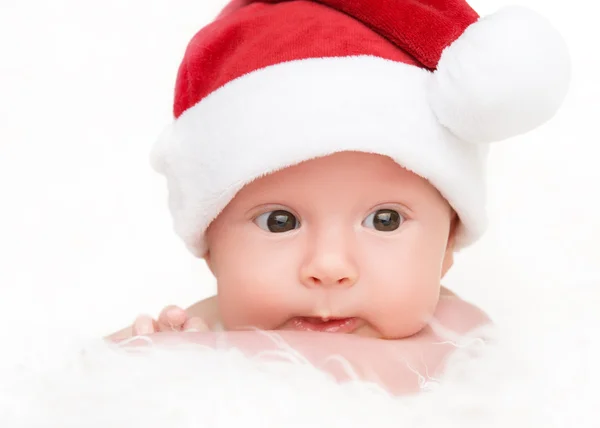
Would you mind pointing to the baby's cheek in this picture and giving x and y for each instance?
(403, 307)
(255, 300)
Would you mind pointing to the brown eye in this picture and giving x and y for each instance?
(278, 221)
(384, 220)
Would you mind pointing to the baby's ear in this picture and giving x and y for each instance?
(454, 222)
(207, 259)
(449, 254)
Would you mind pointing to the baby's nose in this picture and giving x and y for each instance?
(329, 270)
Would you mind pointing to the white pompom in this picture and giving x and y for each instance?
(505, 75)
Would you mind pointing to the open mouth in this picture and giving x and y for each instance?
(330, 325)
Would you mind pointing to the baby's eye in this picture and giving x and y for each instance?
(385, 220)
(277, 221)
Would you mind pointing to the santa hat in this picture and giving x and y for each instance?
(428, 83)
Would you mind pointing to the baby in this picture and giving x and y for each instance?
(327, 159)
(346, 243)
(349, 243)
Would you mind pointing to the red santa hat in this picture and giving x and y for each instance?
(428, 83)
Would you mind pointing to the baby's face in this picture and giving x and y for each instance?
(351, 237)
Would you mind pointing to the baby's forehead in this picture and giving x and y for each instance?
(346, 176)
(342, 166)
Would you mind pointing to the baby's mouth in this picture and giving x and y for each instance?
(325, 325)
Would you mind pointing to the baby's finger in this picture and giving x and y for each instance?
(172, 318)
(143, 326)
(195, 324)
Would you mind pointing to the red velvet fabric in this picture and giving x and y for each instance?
(421, 27)
(249, 35)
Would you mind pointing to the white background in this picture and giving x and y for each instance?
(85, 236)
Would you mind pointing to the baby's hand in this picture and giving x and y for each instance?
(172, 318)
